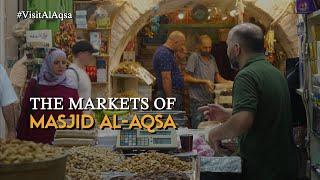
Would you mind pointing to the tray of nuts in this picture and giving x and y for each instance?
(153, 165)
(18, 152)
(87, 163)
(28, 160)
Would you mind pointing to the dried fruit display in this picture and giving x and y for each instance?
(127, 67)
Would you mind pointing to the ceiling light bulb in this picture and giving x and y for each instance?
(181, 15)
(209, 10)
(209, 17)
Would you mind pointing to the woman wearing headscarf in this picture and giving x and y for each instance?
(51, 82)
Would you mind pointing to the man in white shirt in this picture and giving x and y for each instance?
(7, 99)
(82, 52)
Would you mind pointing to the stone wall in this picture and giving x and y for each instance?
(136, 13)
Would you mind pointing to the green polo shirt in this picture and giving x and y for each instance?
(267, 149)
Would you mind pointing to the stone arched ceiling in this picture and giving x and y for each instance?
(134, 14)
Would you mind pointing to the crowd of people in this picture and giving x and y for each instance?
(261, 113)
(200, 72)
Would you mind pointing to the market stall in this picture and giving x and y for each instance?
(84, 162)
(195, 20)
(213, 20)
(76, 161)
(180, 153)
(309, 36)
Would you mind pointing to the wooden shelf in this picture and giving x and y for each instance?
(183, 26)
(315, 16)
(123, 75)
(97, 29)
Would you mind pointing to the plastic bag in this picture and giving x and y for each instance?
(201, 147)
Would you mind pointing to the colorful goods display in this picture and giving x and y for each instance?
(66, 38)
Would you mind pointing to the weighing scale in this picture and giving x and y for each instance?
(141, 139)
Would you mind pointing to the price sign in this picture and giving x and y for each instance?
(39, 38)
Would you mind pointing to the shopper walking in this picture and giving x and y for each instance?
(82, 52)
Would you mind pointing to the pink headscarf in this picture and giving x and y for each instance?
(48, 77)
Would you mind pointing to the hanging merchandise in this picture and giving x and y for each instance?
(155, 24)
(305, 6)
(148, 32)
(240, 6)
(19, 30)
(301, 31)
(66, 38)
(269, 41)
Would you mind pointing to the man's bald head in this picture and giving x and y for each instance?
(205, 45)
(204, 38)
(248, 36)
(175, 40)
(176, 35)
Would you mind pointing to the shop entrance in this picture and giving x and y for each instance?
(135, 14)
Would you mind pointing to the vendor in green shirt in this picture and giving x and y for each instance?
(261, 115)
